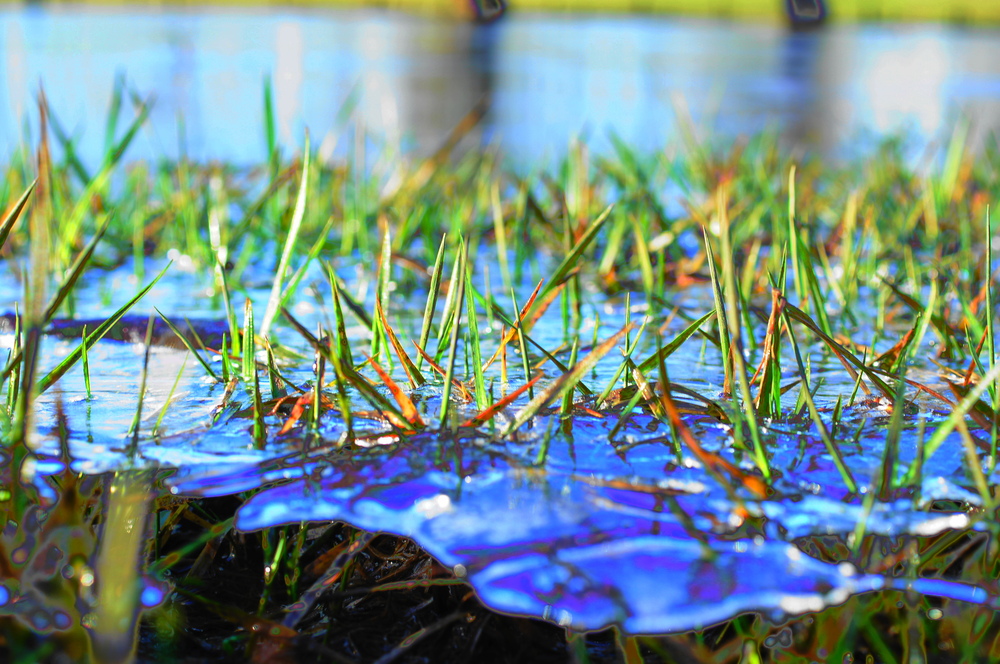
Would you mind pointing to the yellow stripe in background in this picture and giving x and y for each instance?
(958, 11)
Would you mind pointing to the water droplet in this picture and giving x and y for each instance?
(935, 614)
(62, 620)
(40, 621)
(151, 596)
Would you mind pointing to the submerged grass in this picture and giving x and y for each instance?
(791, 254)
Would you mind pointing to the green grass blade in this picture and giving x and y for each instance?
(964, 406)
(102, 329)
(249, 345)
(298, 214)
(343, 343)
(725, 341)
(630, 347)
(187, 343)
(846, 357)
(143, 376)
(74, 272)
(569, 263)
(824, 433)
(359, 382)
(314, 252)
(68, 147)
(663, 353)
(433, 290)
(482, 398)
(565, 382)
(381, 296)
(793, 238)
(270, 132)
(119, 149)
(458, 284)
(412, 372)
(509, 322)
(86, 367)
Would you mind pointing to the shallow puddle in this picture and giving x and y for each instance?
(559, 520)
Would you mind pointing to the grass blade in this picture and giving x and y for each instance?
(102, 329)
(274, 301)
(408, 409)
(359, 382)
(650, 363)
(491, 412)
(187, 343)
(458, 283)
(433, 290)
(970, 400)
(412, 372)
(482, 399)
(569, 262)
(565, 382)
(73, 274)
(15, 213)
(846, 357)
(457, 384)
(512, 332)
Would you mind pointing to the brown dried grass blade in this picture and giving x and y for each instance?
(971, 371)
(489, 413)
(712, 461)
(512, 332)
(980, 411)
(846, 357)
(463, 390)
(567, 381)
(297, 410)
(406, 405)
(412, 372)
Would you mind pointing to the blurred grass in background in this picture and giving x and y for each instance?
(958, 11)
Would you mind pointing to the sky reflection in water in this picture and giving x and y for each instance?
(550, 78)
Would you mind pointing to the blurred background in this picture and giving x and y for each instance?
(830, 77)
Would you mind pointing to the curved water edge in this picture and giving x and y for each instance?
(532, 539)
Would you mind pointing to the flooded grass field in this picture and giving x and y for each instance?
(740, 426)
(704, 401)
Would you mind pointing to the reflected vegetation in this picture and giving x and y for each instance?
(409, 79)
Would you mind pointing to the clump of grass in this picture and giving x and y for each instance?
(791, 258)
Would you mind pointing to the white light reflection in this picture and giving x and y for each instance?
(13, 54)
(905, 84)
(288, 77)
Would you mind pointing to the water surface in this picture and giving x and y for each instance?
(550, 78)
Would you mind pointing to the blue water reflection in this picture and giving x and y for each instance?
(550, 77)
